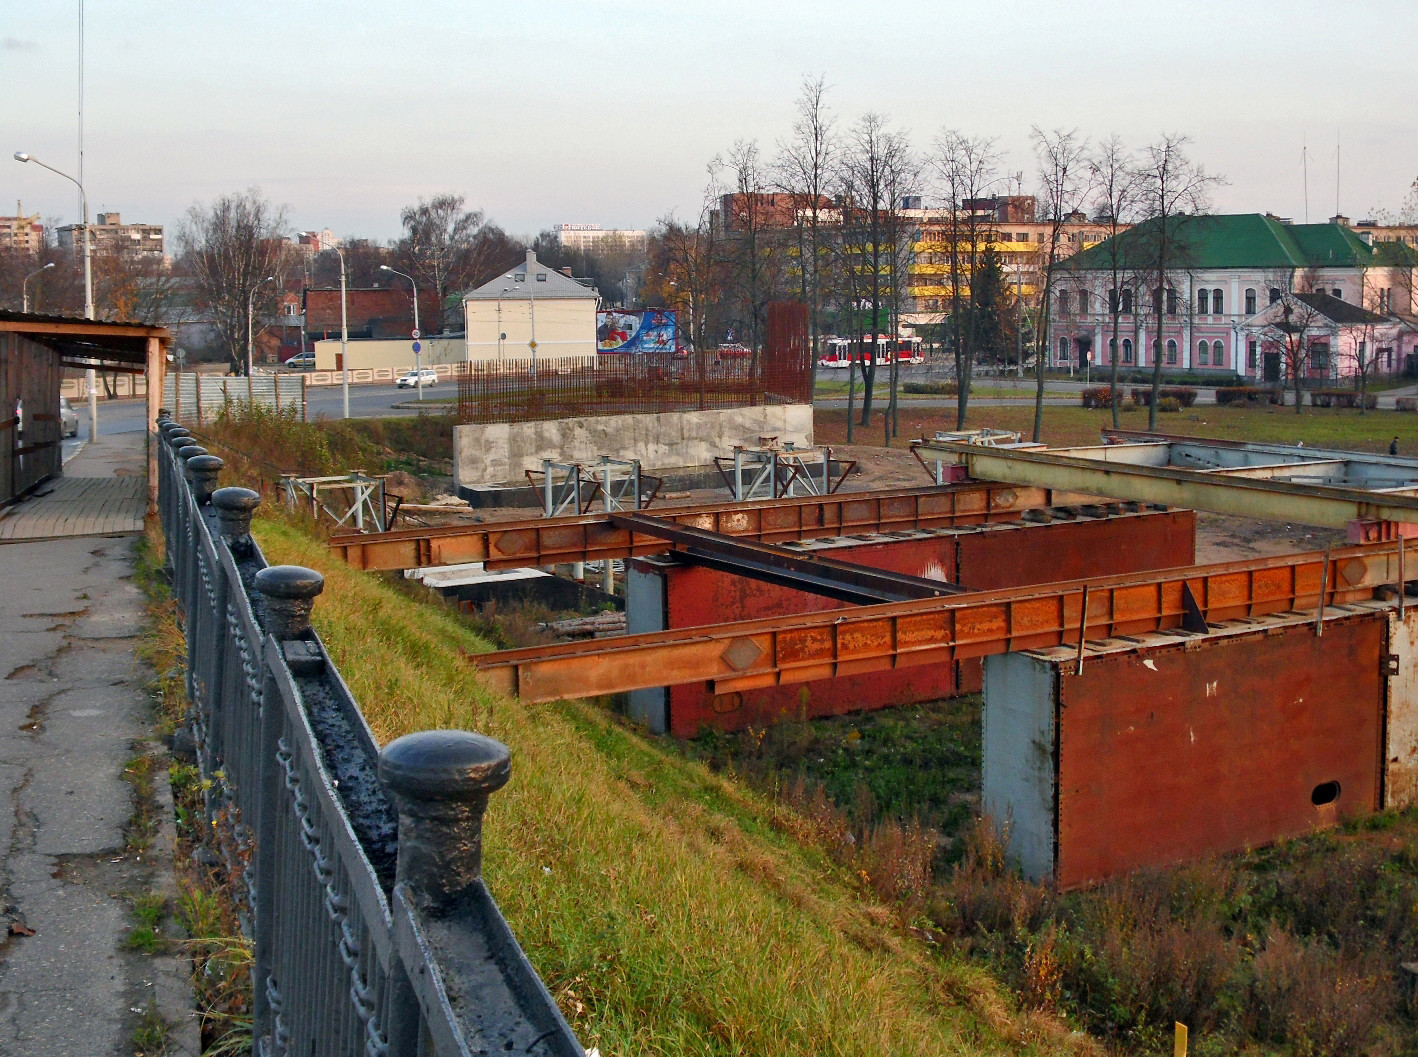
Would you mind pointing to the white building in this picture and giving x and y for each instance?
(530, 310)
(593, 239)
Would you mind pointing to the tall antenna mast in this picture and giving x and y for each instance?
(1305, 174)
(1336, 172)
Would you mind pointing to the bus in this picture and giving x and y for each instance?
(836, 352)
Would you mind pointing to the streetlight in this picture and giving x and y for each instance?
(89, 377)
(344, 337)
(249, 298)
(501, 334)
(25, 286)
(418, 363)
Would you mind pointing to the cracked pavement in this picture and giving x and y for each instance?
(72, 712)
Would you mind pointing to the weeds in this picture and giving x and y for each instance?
(143, 824)
(150, 1034)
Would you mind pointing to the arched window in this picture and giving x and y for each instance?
(1250, 302)
(1171, 301)
(1127, 301)
(1063, 304)
(1218, 354)
(1203, 353)
(1216, 302)
(1127, 350)
(1083, 302)
(1112, 350)
(1171, 351)
(1113, 301)
(1203, 302)
(1063, 350)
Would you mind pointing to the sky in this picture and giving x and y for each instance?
(607, 111)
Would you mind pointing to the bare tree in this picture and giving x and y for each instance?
(1113, 175)
(748, 240)
(229, 246)
(450, 249)
(806, 164)
(968, 169)
(1406, 214)
(1293, 320)
(1064, 184)
(1169, 186)
(875, 166)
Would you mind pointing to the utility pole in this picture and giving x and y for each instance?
(344, 336)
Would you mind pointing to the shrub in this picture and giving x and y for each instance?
(930, 388)
(1342, 398)
(1249, 394)
(1180, 395)
(1100, 396)
(1169, 403)
(1320, 1002)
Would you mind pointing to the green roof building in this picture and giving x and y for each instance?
(1223, 273)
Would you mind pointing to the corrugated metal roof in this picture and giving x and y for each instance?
(531, 280)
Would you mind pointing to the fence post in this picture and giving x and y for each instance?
(202, 471)
(235, 507)
(288, 595)
(441, 781)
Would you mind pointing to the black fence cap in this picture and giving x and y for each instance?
(445, 765)
(289, 581)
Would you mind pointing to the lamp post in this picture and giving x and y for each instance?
(501, 334)
(25, 286)
(418, 363)
(90, 376)
(250, 297)
(344, 337)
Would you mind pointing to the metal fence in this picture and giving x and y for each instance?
(531, 390)
(200, 398)
(358, 871)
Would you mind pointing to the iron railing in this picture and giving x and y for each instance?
(357, 871)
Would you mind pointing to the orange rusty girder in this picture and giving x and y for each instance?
(755, 653)
(592, 537)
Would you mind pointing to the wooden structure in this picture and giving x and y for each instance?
(34, 350)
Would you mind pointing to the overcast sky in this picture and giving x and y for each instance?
(606, 111)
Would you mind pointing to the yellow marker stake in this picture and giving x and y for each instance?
(1179, 1043)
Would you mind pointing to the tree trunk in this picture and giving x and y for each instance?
(851, 390)
(1113, 353)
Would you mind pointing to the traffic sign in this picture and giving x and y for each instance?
(417, 346)
(416, 334)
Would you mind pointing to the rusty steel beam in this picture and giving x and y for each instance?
(593, 537)
(755, 653)
(1111, 471)
(817, 574)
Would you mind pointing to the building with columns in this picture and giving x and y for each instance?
(1227, 272)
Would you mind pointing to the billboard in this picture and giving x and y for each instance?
(643, 330)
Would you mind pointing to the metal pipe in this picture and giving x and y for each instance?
(1324, 586)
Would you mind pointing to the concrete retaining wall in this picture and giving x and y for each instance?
(494, 454)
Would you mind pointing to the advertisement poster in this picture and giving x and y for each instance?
(647, 330)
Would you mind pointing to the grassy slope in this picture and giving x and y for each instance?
(665, 906)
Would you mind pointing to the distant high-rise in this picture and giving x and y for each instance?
(22, 232)
(110, 235)
(592, 238)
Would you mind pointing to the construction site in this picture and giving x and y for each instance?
(1147, 658)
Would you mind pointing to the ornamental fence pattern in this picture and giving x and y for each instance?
(358, 871)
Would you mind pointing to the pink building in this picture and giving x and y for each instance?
(1217, 306)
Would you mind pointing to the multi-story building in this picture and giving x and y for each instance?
(110, 235)
(1217, 309)
(594, 239)
(313, 242)
(20, 232)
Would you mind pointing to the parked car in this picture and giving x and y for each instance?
(68, 418)
(302, 361)
(411, 380)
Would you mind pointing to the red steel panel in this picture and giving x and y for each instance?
(986, 559)
(1168, 755)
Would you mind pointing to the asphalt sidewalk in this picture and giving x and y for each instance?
(73, 713)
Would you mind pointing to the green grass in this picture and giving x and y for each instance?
(669, 909)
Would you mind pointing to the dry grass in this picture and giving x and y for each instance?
(665, 907)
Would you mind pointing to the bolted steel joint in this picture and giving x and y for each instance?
(288, 593)
(202, 471)
(441, 781)
(234, 507)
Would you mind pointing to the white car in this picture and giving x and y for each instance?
(68, 417)
(428, 376)
(302, 361)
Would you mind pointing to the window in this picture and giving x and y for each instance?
(1274, 294)
(1216, 302)
(1251, 354)
(520, 277)
(1171, 352)
(1127, 301)
(1203, 302)
(1250, 302)
(1319, 357)
(1112, 350)
(1063, 350)
(1083, 302)
(1127, 350)
(1171, 301)
(1218, 354)
(1113, 301)
(1386, 358)
(541, 277)
(1337, 292)
(1063, 304)
(1203, 353)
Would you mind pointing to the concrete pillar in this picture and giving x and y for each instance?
(646, 610)
(1018, 770)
